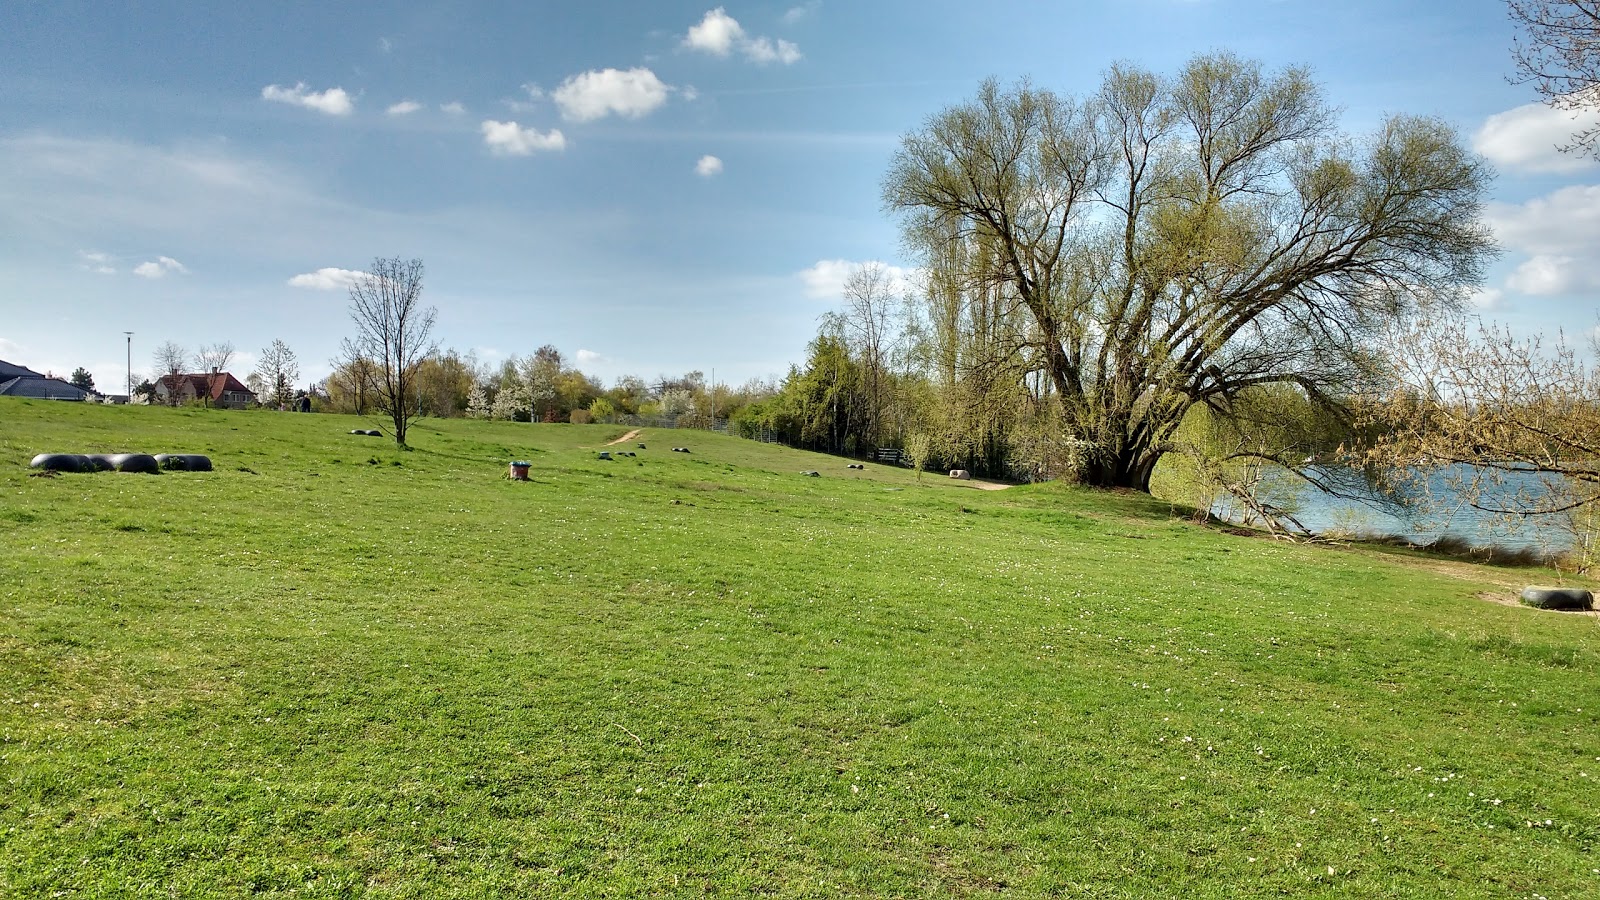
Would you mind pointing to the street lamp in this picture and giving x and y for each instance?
(130, 365)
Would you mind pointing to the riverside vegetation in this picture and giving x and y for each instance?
(333, 669)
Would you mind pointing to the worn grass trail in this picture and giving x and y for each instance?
(331, 669)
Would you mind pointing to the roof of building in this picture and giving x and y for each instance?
(217, 384)
(9, 371)
(41, 388)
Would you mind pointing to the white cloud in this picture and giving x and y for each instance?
(716, 34)
(719, 34)
(796, 13)
(824, 280)
(160, 267)
(764, 51)
(333, 101)
(511, 139)
(1551, 275)
(454, 108)
(589, 358)
(1525, 139)
(404, 108)
(602, 92)
(1558, 233)
(328, 279)
(708, 166)
(385, 45)
(96, 262)
(1488, 298)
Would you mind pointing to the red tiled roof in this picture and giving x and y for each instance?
(219, 384)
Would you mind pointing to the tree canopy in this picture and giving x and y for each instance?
(1167, 242)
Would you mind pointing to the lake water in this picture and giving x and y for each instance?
(1442, 511)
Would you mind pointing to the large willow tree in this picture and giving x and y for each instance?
(1173, 242)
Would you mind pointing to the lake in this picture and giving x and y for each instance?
(1440, 511)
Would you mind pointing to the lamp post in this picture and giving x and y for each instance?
(130, 365)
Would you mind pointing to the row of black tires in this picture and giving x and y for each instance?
(121, 462)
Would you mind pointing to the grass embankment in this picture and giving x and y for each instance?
(332, 669)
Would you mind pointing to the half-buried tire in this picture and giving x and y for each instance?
(1557, 598)
(99, 462)
(183, 462)
(62, 462)
(142, 463)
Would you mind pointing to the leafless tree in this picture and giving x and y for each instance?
(1559, 53)
(867, 324)
(392, 331)
(1173, 242)
(278, 370)
(170, 360)
(212, 361)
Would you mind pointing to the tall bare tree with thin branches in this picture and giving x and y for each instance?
(212, 360)
(169, 360)
(1559, 53)
(393, 330)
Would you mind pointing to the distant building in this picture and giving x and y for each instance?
(221, 387)
(21, 381)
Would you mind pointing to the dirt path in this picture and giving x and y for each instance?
(627, 437)
(989, 485)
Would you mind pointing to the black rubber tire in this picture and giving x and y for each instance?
(99, 462)
(62, 462)
(196, 462)
(141, 463)
(1557, 598)
(172, 462)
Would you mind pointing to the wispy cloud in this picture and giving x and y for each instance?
(404, 108)
(630, 93)
(796, 13)
(708, 166)
(96, 262)
(720, 34)
(333, 101)
(159, 268)
(327, 279)
(454, 108)
(511, 139)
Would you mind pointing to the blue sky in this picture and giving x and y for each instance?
(652, 187)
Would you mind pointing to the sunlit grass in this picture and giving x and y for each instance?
(334, 669)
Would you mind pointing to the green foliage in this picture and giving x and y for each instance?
(692, 674)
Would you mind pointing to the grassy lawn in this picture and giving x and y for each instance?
(333, 669)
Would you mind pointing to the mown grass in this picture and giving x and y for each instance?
(334, 669)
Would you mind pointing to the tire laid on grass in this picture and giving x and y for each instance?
(373, 432)
(62, 462)
(1557, 598)
(196, 462)
(99, 462)
(183, 462)
(358, 431)
(142, 463)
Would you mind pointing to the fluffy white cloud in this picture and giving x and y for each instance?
(602, 92)
(825, 279)
(328, 279)
(1558, 232)
(404, 108)
(589, 358)
(454, 108)
(160, 267)
(511, 139)
(708, 166)
(1525, 139)
(333, 101)
(716, 34)
(1488, 298)
(719, 34)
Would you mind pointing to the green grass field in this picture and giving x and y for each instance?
(334, 669)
